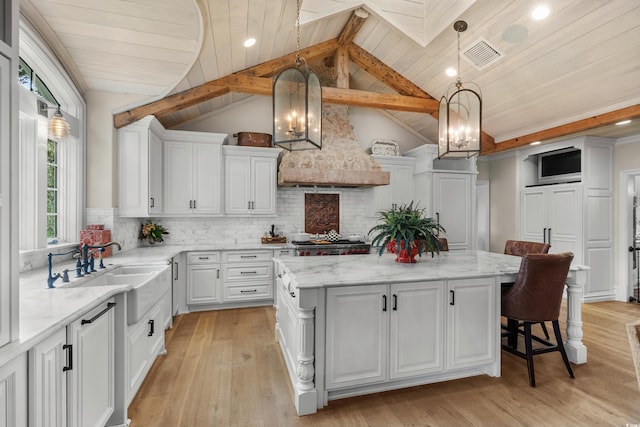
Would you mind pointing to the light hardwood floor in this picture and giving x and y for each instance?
(224, 368)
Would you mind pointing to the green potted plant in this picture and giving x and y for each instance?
(152, 232)
(406, 231)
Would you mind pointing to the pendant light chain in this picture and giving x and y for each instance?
(298, 61)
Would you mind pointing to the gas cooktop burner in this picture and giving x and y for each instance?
(325, 247)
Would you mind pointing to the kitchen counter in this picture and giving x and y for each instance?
(352, 325)
(44, 310)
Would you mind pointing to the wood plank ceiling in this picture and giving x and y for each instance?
(580, 63)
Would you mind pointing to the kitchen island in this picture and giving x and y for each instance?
(352, 325)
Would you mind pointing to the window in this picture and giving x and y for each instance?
(51, 172)
(52, 190)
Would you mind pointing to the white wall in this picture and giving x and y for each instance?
(255, 115)
(100, 167)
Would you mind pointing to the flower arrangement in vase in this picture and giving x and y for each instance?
(152, 232)
(405, 231)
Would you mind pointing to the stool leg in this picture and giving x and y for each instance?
(512, 339)
(529, 353)
(544, 330)
(556, 331)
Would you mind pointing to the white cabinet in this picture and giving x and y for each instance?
(179, 284)
(193, 172)
(400, 188)
(454, 207)
(247, 276)
(145, 340)
(250, 180)
(203, 278)
(140, 168)
(380, 332)
(553, 214)
(13, 393)
(48, 366)
(471, 322)
(90, 382)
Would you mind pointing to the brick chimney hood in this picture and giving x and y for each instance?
(342, 162)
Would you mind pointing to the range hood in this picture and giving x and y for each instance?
(342, 162)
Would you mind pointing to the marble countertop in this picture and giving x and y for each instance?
(326, 271)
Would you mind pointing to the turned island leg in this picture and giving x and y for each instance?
(305, 389)
(576, 350)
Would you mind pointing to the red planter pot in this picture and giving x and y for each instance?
(405, 256)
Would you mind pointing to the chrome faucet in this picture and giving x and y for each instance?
(88, 264)
(65, 273)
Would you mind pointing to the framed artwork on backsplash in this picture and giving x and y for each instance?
(321, 213)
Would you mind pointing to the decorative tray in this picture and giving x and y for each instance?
(385, 147)
(276, 239)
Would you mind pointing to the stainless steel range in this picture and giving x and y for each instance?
(339, 247)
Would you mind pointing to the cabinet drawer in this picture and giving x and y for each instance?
(248, 272)
(253, 292)
(246, 256)
(203, 257)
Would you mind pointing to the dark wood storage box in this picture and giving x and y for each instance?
(253, 139)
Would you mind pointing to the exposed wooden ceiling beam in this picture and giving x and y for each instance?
(569, 128)
(353, 25)
(384, 73)
(310, 54)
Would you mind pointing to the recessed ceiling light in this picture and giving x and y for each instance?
(624, 122)
(535, 143)
(249, 42)
(540, 12)
(451, 72)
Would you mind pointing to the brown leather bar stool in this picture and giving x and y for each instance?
(536, 297)
(521, 248)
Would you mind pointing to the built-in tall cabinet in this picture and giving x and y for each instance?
(400, 188)
(250, 180)
(192, 173)
(446, 188)
(575, 217)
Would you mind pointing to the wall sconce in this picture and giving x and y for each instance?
(58, 125)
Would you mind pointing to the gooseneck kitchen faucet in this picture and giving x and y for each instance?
(88, 262)
(65, 273)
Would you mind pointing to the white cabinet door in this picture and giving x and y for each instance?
(140, 169)
(472, 322)
(263, 185)
(13, 393)
(155, 174)
(452, 206)
(207, 175)
(400, 189)
(356, 335)
(91, 380)
(48, 381)
(553, 214)
(250, 185)
(203, 284)
(533, 214)
(192, 178)
(137, 356)
(7, 252)
(178, 177)
(416, 329)
(238, 180)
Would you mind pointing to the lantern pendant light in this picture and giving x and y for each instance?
(460, 115)
(297, 104)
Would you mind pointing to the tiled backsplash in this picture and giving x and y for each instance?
(355, 211)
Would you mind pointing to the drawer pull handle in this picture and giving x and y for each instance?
(248, 256)
(94, 318)
(293, 294)
(251, 291)
(151, 327)
(248, 272)
(69, 349)
(203, 257)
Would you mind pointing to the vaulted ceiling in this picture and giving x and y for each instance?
(577, 69)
